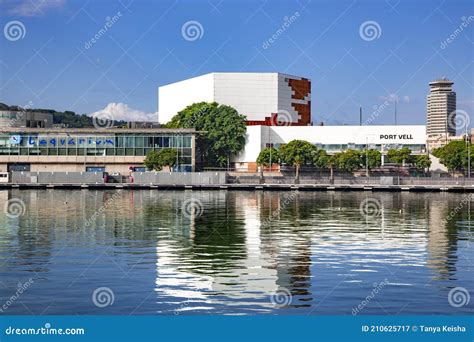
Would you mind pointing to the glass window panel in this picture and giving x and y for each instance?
(187, 142)
(129, 142)
(119, 141)
(148, 142)
(138, 141)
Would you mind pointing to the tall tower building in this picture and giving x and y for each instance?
(441, 109)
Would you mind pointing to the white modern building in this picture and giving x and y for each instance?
(264, 98)
(332, 139)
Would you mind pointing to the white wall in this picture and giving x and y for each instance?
(253, 145)
(407, 134)
(254, 95)
(258, 136)
(177, 96)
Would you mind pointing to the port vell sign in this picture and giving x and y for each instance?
(396, 137)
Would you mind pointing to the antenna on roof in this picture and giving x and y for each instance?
(360, 116)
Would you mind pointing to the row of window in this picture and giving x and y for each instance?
(182, 152)
(361, 147)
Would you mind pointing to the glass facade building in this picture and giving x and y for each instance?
(99, 143)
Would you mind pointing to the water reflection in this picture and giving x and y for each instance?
(231, 256)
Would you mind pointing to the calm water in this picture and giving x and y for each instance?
(317, 251)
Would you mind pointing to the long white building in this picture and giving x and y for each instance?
(278, 110)
(264, 98)
(332, 139)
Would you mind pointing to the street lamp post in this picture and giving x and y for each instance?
(468, 145)
(270, 144)
(366, 156)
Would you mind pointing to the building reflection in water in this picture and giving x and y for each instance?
(243, 247)
(442, 239)
(249, 274)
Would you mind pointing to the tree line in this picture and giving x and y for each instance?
(221, 135)
(299, 153)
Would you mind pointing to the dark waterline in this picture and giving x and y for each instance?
(320, 252)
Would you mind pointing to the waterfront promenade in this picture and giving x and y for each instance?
(233, 181)
(249, 187)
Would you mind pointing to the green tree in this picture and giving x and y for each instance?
(349, 160)
(268, 156)
(453, 155)
(422, 161)
(374, 158)
(320, 158)
(156, 160)
(222, 131)
(192, 116)
(399, 156)
(297, 153)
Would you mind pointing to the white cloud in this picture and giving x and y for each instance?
(121, 111)
(34, 8)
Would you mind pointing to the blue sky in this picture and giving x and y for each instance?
(53, 64)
